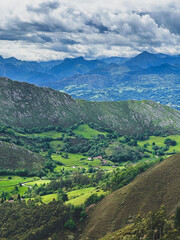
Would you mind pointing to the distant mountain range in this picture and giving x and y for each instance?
(145, 76)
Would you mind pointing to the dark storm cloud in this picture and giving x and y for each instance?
(99, 26)
(68, 41)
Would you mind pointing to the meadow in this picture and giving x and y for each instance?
(14, 184)
(87, 132)
(159, 141)
(76, 197)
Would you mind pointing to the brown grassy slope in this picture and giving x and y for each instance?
(159, 185)
(14, 157)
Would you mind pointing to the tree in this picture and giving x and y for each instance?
(177, 218)
(70, 224)
(62, 196)
(170, 142)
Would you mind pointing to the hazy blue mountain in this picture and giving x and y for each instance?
(144, 60)
(117, 60)
(164, 68)
(50, 64)
(145, 76)
(71, 66)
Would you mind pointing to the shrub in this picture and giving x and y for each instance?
(70, 224)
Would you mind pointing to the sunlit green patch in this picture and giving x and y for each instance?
(87, 132)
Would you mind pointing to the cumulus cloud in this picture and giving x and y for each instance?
(52, 29)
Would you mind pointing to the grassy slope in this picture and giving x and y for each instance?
(15, 157)
(160, 142)
(8, 185)
(87, 132)
(75, 160)
(25, 105)
(53, 134)
(159, 185)
(5, 181)
(38, 182)
(76, 197)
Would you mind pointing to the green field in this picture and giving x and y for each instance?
(76, 197)
(8, 185)
(38, 182)
(48, 198)
(75, 160)
(159, 141)
(5, 181)
(53, 134)
(87, 132)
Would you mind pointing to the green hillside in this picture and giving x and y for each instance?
(13, 157)
(25, 105)
(157, 186)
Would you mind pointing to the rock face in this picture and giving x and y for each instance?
(14, 157)
(26, 105)
(148, 192)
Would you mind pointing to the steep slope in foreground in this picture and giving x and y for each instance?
(26, 105)
(13, 157)
(159, 185)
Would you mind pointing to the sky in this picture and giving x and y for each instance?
(45, 30)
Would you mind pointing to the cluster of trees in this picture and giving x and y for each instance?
(19, 172)
(170, 142)
(124, 153)
(30, 221)
(94, 198)
(121, 177)
(154, 226)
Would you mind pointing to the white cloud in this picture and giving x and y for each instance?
(51, 29)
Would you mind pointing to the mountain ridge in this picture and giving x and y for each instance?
(26, 105)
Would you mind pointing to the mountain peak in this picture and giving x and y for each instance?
(74, 59)
(146, 54)
(144, 60)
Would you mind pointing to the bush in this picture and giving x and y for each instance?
(94, 198)
(170, 142)
(70, 224)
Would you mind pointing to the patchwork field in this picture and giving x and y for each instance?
(55, 151)
(10, 185)
(76, 197)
